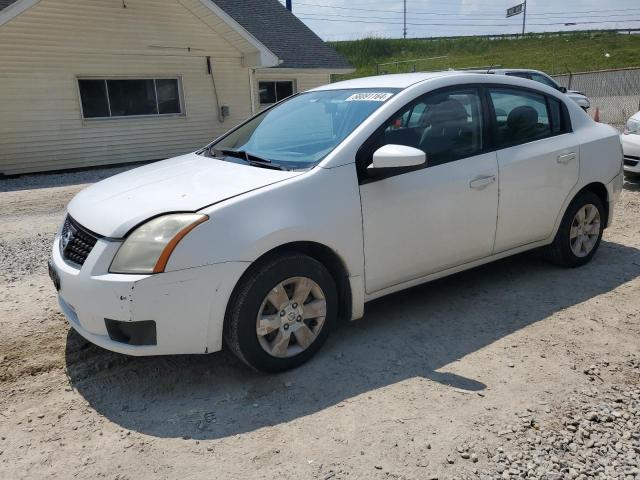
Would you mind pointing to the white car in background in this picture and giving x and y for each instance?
(631, 147)
(329, 199)
(537, 76)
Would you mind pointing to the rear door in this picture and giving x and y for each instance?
(538, 160)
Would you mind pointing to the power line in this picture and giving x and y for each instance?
(585, 17)
(459, 14)
(465, 25)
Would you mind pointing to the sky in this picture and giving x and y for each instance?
(355, 19)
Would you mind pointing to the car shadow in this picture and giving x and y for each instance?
(414, 333)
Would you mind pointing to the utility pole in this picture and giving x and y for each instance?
(289, 7)
(404, 29)
(524, 17)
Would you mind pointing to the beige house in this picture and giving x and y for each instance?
(95, 82)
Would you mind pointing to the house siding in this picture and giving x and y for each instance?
(46, 48)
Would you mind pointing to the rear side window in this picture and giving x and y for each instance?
(543, 79)
(519, 74)
(559, 118)
(520, 116)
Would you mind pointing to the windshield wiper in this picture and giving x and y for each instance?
(250, 158)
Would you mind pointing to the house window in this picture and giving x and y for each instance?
(105, 98)
(272, 92)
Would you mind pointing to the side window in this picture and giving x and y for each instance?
(559, 117)
(520, 116)
(544, 79)
(272, 92)
(520, 75)
(446, 126)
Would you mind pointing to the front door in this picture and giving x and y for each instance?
(427, 220)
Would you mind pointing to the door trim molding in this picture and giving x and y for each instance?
(452, 270)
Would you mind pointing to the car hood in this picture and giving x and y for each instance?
(182, 184)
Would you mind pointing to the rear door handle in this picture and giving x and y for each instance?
(566, 157)
(479, 183)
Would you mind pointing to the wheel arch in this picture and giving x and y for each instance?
(323, 254)
(601, 191)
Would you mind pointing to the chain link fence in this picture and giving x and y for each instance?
(614, 94)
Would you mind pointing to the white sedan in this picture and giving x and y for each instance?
(631, 147)
(327, 200)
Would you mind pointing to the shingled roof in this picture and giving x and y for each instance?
(283, 33)
(280, 31)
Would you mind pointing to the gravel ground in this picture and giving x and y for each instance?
(514, 370)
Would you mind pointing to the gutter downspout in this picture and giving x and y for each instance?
(215, 90)
(252, 93)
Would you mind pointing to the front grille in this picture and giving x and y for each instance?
(76, 242)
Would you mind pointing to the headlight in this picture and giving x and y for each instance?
(632, 126)
(148, 248)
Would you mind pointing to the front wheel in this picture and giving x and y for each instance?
(281, 312)
(580, 232)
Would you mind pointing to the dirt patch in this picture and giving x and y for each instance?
(454, 379)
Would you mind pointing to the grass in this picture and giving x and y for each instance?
(551, 53)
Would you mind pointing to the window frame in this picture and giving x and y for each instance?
(490, 141)
(294, 90)
(365, 177)
(181, 96)
(564, 114)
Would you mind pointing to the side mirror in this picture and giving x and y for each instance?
(563, 89)
(397, 156)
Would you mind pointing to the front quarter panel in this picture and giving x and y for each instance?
(320, 206)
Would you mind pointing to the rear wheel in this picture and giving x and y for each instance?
(580, 232)
(281, 312)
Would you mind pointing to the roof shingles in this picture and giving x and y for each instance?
(284, 34)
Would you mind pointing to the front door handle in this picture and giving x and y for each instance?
(566, 157)
(479, 183)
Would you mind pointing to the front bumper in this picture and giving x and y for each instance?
(631, 150)
(187, 306)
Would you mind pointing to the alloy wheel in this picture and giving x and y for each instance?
(291, 317)
(585, 230)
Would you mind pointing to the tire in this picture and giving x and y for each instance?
(259, 343)
(561, 251)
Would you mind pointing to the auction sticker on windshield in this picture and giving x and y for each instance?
(369, 97)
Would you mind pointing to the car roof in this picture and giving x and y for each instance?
(396, 80)
(403, 81)
(523, 70)
(489, 70)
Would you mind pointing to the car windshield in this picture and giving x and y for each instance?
(299, 132)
